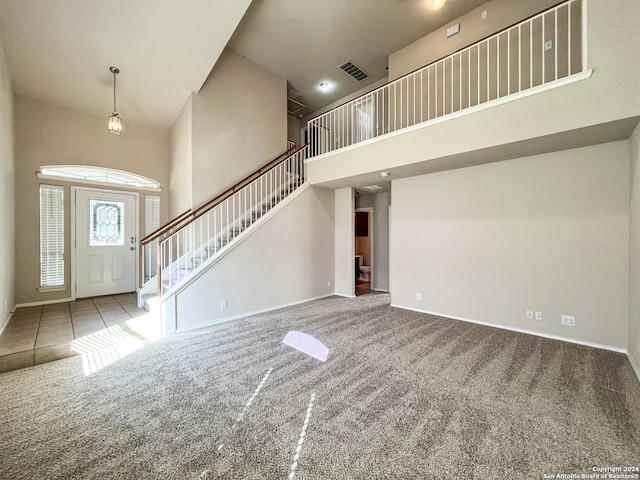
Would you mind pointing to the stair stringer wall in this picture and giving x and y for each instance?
(288, 260)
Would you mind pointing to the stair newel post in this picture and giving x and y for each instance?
(159, 266)
(141, 265)
(170, 260)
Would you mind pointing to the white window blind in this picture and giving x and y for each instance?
(151, 224)
(51, 236)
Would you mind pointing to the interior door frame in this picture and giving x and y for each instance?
(370, 211)
(72, 222)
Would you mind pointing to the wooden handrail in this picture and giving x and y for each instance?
(548, 9)
(159, 231)
(214, 202)
(190, 215)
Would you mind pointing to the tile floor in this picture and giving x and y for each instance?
(41, 334)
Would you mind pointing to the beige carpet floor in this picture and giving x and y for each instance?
(402, 395)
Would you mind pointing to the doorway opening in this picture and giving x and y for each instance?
(363, 248)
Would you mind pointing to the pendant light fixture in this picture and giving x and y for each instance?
(115, 125)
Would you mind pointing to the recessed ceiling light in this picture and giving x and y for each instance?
(324, 86)
(384, 174)
(373, 187)
(438, 3)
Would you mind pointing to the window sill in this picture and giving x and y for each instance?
(52, 289)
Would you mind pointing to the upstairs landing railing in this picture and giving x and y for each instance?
(539, 50)
(194, 237)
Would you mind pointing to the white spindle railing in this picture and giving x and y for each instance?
(149, 260)
(213, 228)
(537, 51)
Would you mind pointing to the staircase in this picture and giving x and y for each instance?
(191, 241)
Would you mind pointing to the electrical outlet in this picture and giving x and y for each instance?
(484, 15)
(539, 316)
(530, 314)
(418, 296)
(223, 305)
(329, 284)
(548, 45)
(568, 320)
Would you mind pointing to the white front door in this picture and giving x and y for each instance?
(105, 242)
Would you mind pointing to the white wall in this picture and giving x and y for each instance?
(380, 204)
(536, 124)
(239, 124)
(548, 233)
(7, 192)
(285, 260)
(345, 270)
(293, 130)
(634, 253)
(501, 14)
(47, 134)
(180, 158)
(348, 98)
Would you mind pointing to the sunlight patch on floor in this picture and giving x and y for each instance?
(305, 425)
(244, 411)
(307, 344)
(148, 326)
(104, 347)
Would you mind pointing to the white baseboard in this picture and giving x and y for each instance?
(634, 365)
(380, 290)
(343, 295)
(520, 330)
(44, 302)
(7, 320)
(248, 314)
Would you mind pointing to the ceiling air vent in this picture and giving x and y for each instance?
(353, 70)
(294, 107)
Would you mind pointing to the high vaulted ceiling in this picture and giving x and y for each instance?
(304, 41)
(60, 51)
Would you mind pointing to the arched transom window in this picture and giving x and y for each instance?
(103, 175)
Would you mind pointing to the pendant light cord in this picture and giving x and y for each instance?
(114, 93)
